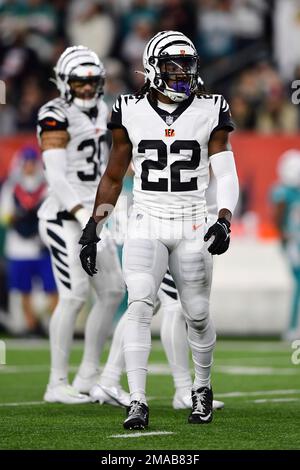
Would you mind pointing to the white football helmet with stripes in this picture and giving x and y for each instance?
(171, 65)
(81, 64)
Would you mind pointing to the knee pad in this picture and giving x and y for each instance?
(204, 340)
(196, 311)
(141, 288)
(140, 312)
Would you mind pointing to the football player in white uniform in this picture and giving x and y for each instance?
(172, 133)
(72, 131)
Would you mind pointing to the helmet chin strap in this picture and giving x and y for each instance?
(85, 105)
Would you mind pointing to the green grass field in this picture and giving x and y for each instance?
(256, 379)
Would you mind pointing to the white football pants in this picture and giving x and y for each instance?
(145, 260)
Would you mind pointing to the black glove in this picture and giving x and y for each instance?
(88, 252)
(220, 230)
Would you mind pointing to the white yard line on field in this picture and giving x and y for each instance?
(223, 345)
(250, 370)
(274, 400)
(164, 369)
(143, 434)
(36, 368)
(23, 403)
(258, 392)
(217, 395)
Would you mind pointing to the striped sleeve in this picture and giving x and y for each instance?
(116, 115)
(224, 118)
(52, 117)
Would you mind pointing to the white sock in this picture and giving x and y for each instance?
(115, 363)
(61, 331)
(173, 335)
(137, 345)
(202, 345)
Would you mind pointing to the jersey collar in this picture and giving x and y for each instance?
(170, 118)
(92, 113)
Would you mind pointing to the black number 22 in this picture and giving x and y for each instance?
(176, 167)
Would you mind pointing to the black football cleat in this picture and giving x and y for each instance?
(137, 417)
(202, 406)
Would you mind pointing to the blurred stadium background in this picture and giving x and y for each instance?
(249, 52)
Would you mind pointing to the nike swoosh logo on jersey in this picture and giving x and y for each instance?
(195, 227)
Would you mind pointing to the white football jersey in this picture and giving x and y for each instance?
(87, 150)
(169, 151)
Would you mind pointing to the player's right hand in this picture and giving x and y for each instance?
(88, 252)
(88, 255)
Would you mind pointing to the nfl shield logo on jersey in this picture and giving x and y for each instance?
(169, 120)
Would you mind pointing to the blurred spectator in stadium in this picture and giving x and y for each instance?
(91, 24)
(249, 21)
(259, 101)
(132, 51)
(114, 81)
(34, 33)
(215, 29)
(286, 202)
(277, 114)
(248, 86)
(139, 10)
(17, 61)
(243, 114)
(178, 15)
(31, 100)
(286, 36)
(8, 119)
(36, 18)
(27, 259)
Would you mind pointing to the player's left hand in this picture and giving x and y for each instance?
(88, 252)
(220, 230)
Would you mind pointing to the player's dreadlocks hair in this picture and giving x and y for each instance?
(143, 90)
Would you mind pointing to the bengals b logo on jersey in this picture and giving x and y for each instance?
(169, 133)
